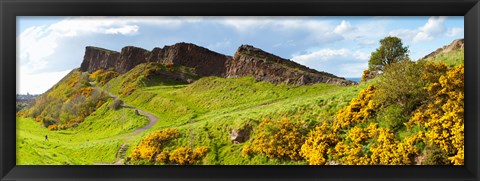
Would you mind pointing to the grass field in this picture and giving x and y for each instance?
(95, 140)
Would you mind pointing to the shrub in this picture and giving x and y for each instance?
(279, 139)
(365, 75)
(373, 145)
(442, 116)
(358, 111)
(53, 127)
(187, 156)
(116, 104)
(392, 117)
(433, 155)
(317, 144)
(152, 144)
(400, 84)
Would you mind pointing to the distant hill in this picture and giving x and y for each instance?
(247, 61)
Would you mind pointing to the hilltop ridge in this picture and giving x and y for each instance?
(247, 61)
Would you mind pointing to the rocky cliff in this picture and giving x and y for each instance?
(251, 61)
(247, 61)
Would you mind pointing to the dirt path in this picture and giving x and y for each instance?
(152, 120)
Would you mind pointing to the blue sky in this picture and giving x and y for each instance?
(49, 47)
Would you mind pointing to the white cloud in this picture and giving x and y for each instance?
(341, 62)
(430, 30)
(36, 45)
(37, 83)
(343, 27)
(451, 32)
(331, 55)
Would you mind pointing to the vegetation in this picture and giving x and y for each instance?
(411, 113)
(391, 51)
(67, 103)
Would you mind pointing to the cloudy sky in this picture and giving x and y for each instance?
(50, 47)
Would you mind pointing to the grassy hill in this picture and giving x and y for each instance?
(204, 115)
(451, 58)
(205, 112)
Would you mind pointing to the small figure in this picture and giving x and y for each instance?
(46, 138)
(136, 112)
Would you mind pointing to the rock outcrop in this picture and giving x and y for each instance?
(458, 44)
(251, 61)
(98, 58)
(247, 61)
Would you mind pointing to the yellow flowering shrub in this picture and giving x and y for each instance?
(375, 146)
(317, 143)
(365, 75)
(187, 156)
(358, 111)
(152, 144)
(443, 115)
(278, 139)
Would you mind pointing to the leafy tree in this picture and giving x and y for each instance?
(391, 50)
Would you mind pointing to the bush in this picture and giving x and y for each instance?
(401, 84)
(53, 127)
(278, 139)
(317, 144)
(443, 114)
(187, 156)
(358, 111)
(392, 117)
(116, 104)
(152, 144)
(433, 155)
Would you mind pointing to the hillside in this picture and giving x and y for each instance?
(452, 54)
(170, 106)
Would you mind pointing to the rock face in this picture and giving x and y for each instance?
(251, 61)
(247, 61)
(98, 58)
(458, 44)
(205, 62)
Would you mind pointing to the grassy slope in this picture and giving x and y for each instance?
(452, 58)
(207, 110)
(97, 139)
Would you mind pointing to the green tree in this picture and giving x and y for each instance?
(391, 50)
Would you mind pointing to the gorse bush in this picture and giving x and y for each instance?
(152, 144)
(442, 116)
(317, 144)
(358, 111)
(152, 149)
(281, 139)
(187, 156)
(101, 76)
(374, 145)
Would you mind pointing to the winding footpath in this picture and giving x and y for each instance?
(152, 120)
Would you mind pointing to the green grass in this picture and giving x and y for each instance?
(97, 139)
(205, 112)
(452, 58)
